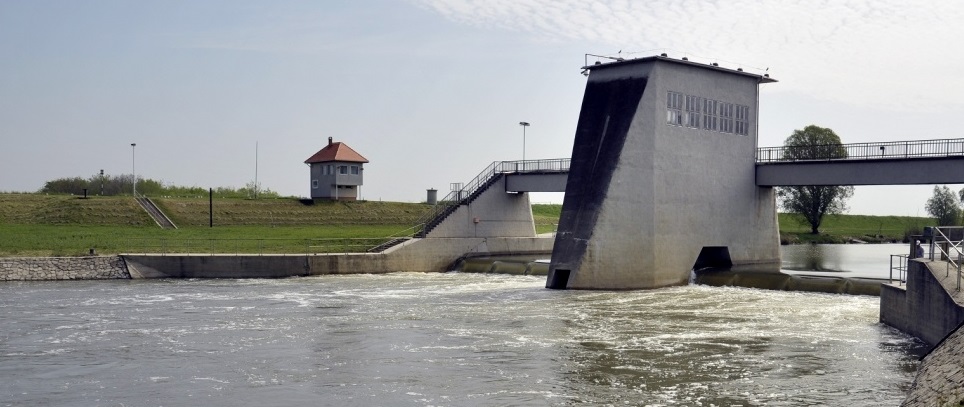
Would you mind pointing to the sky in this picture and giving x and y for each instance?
(215, 93)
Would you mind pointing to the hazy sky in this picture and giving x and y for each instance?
(432, 91)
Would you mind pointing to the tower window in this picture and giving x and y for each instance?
(726, 117)
(674, 108)
(710, 118)
(742, 120)
(693, 104)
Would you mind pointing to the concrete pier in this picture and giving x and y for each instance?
(662, 178)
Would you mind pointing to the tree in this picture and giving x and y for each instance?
(810, 203)
(943, 206)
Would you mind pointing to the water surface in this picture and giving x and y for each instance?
(453, 339)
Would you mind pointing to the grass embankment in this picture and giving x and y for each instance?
(849, 228)
(53, 225)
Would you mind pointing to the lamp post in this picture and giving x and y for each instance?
(524, 125)
(133, 171)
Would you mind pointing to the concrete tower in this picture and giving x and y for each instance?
(662, 178)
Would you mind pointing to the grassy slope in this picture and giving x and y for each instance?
(33, 224)
(840, 228)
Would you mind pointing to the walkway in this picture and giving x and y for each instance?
(920, 162)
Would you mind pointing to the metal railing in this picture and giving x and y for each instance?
(949, 248)
(900, 268)
(863, 151)
(164, 246)
(497, 168)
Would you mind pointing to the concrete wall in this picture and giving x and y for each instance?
(494, 213)
(645, 197)
(537, 182)
(417, 255)
(923, 308)
(62, 268)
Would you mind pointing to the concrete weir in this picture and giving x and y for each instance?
(417, 255)
(662, 178)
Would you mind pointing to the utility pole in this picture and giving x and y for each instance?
(524, 125)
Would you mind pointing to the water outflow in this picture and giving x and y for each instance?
(776, 280)
(729, 277)
(522, 266)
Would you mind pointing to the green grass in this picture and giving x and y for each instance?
(74, 240)
(546, 217)
(843, 228)
(56, 225)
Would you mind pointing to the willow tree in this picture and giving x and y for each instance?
(943, 206)
(809, 204)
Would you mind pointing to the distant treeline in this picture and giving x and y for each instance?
(110, 185)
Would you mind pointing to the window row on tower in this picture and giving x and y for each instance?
(707, 114)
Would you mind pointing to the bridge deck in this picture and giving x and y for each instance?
(921, 162)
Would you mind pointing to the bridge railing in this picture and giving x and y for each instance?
(863, 151)
(456, 197)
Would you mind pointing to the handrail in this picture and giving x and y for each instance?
(258, 246)
(956, 245)
(901, 268)
(863, 151)
(496, 168)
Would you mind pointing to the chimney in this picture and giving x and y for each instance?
(329, 141)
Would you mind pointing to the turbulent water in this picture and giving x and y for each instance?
(453, 339)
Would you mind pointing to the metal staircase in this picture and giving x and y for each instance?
(471, 190)
(159, 217)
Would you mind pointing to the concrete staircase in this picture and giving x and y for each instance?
(159, 217)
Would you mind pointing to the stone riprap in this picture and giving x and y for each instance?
(63, 268)
(940, 379)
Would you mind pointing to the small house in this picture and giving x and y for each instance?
(336, 172)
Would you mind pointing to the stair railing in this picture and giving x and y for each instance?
(460, 196)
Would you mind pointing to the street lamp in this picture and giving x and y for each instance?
(133, 171)
(524, 125)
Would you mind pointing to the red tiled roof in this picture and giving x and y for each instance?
(337, 151)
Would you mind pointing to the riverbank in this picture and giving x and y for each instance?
(63, 268)
(39, 225)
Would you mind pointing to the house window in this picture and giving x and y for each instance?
(328, 170)
(742, 120)
(354, 170)
(343, 169)
(674, 108)
(693, 111)
(726, 117)
(710, 114)
(314, 184)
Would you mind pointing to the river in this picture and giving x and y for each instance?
(447, 339)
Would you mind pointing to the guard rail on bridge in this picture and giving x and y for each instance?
(482, 181)
(862, 151)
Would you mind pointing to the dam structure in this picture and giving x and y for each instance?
(662, 178)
